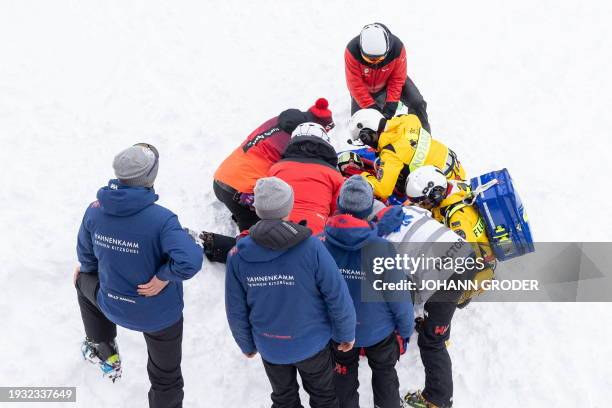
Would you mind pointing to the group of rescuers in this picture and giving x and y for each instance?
(306, 216)
(295, 148)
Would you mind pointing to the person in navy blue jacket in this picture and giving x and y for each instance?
(384, 320)
(286, 299)
(134, 256)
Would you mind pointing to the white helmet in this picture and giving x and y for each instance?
(364, 119)
(374, 40)
(426, 183)
(311, 129)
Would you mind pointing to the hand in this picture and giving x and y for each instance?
(346, 346)
(250, 355)
(247, 199)
(152, 288)
(389, 109)
(75, 275)
(374, 106)
(402, 342)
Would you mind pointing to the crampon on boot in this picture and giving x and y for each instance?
(416, 400)
(104, 355)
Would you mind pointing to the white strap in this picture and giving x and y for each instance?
(479, 190)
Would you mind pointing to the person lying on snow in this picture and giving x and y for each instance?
(356, 162)
(235, 177)
(309, 166)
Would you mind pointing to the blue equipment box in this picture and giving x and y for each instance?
(504, 214)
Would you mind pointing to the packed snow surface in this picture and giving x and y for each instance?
(522, 84)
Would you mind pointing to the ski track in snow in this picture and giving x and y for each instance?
(509, 84)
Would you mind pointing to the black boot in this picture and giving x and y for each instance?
(216, 246)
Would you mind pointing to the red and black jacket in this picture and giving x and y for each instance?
(364, 79)
(261, 149)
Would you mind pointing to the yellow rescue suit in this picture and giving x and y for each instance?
(466, 221)
(405, 146)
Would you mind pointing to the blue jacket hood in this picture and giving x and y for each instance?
(120, 200)
(389, 220)
(348, 232)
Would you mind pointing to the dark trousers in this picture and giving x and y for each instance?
(164, 346)
(317, 378)
(382, 358)
(411, 97)
(434, 331)
(244, 216)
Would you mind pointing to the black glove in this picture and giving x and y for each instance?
(374, 106)
(389, 109)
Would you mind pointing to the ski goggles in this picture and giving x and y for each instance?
(373, 59)
(348, 157)
(433, 198)
(153, 149)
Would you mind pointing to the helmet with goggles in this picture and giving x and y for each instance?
(374, 43)
(426, 185)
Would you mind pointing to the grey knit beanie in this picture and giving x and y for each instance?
(137, 166)
(356, 197)
(273, 198)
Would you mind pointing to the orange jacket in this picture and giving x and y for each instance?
(259, 151)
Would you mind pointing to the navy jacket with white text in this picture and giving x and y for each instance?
(127, 239)
(382, 313)
(284, 295)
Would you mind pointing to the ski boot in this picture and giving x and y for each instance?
(416, 400)
(216, 246)
(104, 355)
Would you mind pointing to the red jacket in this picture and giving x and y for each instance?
(315, 180)
(364, 79)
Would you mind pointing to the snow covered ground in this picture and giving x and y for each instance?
(520, 84)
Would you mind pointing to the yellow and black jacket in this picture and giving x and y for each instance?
(405, 146)
(465, 220)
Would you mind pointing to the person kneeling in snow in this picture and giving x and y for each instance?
(235, 177)
(134, 256)
(402, 146)
(375, 68)
(309, 166)
(385, 319)
(285, 298)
